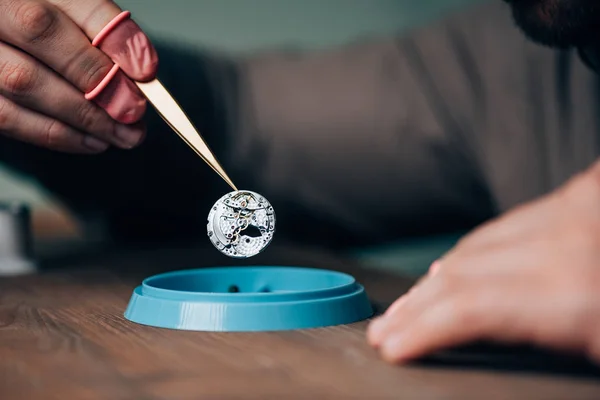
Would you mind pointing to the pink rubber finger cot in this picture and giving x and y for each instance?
(116, 93)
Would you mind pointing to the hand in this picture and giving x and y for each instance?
(47, 64)
(532, 277)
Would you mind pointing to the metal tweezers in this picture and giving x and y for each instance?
(173, 114)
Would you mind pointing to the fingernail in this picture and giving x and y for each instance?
(94, 144)
(131, 137)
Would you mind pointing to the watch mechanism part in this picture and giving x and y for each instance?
(241, 224)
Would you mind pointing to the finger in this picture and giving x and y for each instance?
(439, 315)
(495, 309)
(398, 303)
(377, 326)
(127, 44)
(400, 310)
(49, 35)
(430, 290)
(30, 84)
(448, 323)
(28, 126)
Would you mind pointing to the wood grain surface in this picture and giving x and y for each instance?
(63, 336)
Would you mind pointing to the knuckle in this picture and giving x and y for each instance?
(36, 20)
(450, 278)
(87, 116)
(54, 134)
(91, 69)
(17, 79)
(91, 120)
(4, 113)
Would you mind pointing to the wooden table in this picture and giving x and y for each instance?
(63, 336)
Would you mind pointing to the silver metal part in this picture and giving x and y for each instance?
(15, 239)
(241, 224)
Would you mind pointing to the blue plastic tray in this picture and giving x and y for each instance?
(248, 299)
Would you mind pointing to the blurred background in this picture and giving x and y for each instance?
(248, 25)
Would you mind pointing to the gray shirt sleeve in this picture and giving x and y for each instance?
(434, 130)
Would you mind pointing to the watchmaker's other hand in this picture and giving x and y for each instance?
(531, 277)
(48, 64)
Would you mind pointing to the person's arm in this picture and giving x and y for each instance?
(368, 142)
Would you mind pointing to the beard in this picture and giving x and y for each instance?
(558, 23)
